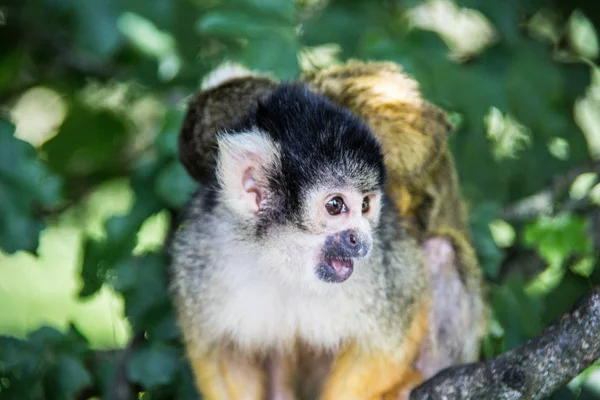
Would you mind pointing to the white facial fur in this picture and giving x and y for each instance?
(291, 255)
(318, 219)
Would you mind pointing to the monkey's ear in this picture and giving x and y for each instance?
(226, 97)
(243, 162)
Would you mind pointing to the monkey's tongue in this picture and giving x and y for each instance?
(343, 268)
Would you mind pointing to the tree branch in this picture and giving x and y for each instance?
(531, 372)
(544, 201)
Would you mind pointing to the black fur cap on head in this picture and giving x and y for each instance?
(320, 142)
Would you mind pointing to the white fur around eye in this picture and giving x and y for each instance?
(318, 220)
(241, 168)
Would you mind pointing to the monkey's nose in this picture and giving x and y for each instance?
(350, 239)
(346, 244)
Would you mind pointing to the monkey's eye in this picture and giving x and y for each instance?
(365, 205)
(335, 206)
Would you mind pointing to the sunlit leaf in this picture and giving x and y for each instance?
(594, 195)
(545, 25)
(145, 36)
(559, 148)
(556, 238)
(507, 135)
(587, 116)
(503, 233)
(582, 185)
(37, 114)
(583, 35)
(584, 267)
(467, 32)
(151, 41)
(546, 281)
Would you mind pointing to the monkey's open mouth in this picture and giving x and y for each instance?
(335, 270)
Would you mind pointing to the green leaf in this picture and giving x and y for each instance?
(230, 24)
(559, 237)
(488, 251)
(19, 357)
(25, 185)
(267, 44)
(49, 338)
(174, 186)
(88, 142)
(247, 18)
(96, 26)
(518, 314)
(344, 24)
(153, 366)
(164, 329)
(48, 357)
(143, 283)
(21, 365)
(275, 52)
(101, 257)
(283, 10)
(94, 268)
(67, 377)
(585, 267)
(167, 140)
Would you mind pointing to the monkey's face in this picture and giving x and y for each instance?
(343, 220)
(332, 231)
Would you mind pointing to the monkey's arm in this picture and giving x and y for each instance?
(223, 374)
(455, 325)
(453, 322)
(358, 374)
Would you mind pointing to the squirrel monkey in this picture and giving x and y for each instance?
(325, 254)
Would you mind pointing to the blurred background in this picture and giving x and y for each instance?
(92, 95)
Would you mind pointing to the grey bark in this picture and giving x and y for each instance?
(530, 372)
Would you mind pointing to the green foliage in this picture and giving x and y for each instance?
(26, 186)
(525, 98)
(48, 364)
